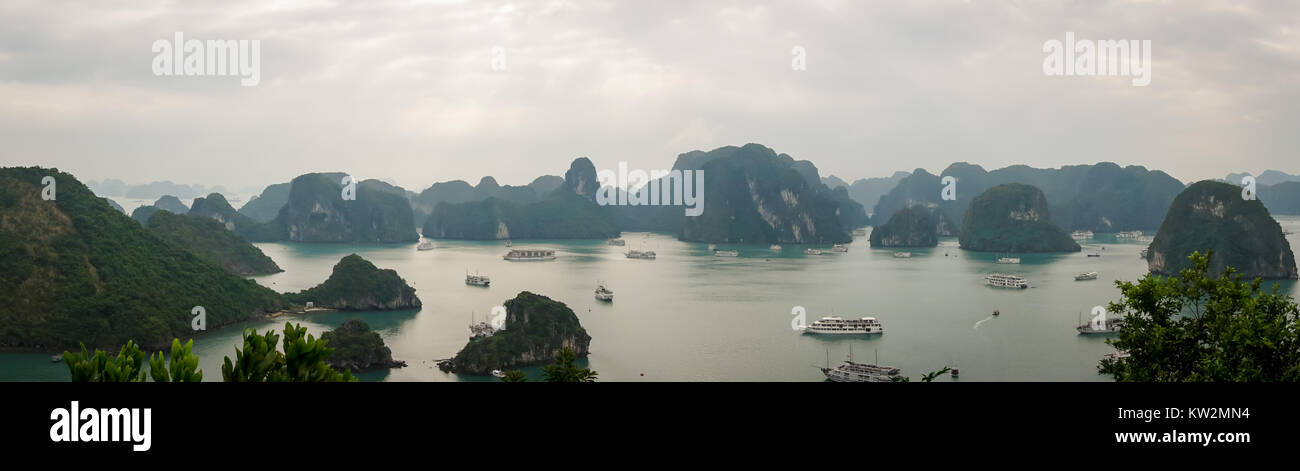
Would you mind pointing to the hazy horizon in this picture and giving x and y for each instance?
(422, 91)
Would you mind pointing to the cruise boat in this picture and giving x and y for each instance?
(1002, 280)
(902, 254)
(1116, 355)
(1092, 275)
(838, 326)
(617, 242)
(1129, 235)
(774, 247)
(529, 255)
(1009, 260)
(498, 373)
(854, 372)
(477, 280)
(1081, 235)
(1094, 255)
(840, 248)
(603, 293)
(481, 329)
(640, 254)
(812, 252)
(726, 253)
(426, 245)
(860, 232)
(1099, 327)
(1147, 239)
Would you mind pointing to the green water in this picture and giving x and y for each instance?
(690, 316)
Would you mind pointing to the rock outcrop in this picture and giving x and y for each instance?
(1214, 216)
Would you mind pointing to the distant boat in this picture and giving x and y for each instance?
(902, 254)
(603, 293)
(1081, 235)
(617, 242)
(508, 243)
(56, 358)
(996, 313)
(812, 252)
(477, 280)
(480, 329)
(1002, 280)
(1118, 354)
(1009, 260)
(1095, 255)
(853, 372)
(1144, 252)
(840, 248)
(1092, 275)
(426, 245)
(774, 247)
(1129, 235)
(528, 255)
(838, 326)
(640, 254)
(726, 253)
(498, 373)
(1099, 327)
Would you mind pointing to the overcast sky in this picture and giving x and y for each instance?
(405, 90)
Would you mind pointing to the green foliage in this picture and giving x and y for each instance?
(1012, 218)
(380, 212)
(357, 284)
(357, 348)
(1196, 327)
(303, 359)
(913, 226)
(561, 215)
(535, 327)
(564, 371)
(182, 367)
(76, 270)
(98, 367)
(514, 376)
(211, 241)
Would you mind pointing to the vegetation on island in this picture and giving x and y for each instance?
(1202, 327)
(536, 329)
(1012, 217)
(1213, 216)
(913, 226)
(358, 349)
(355, 284)
(211, 241)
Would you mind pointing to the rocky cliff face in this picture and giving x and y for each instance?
(914, 226)
(317, 212)
(581, 178)
(1212, 216)
(1012, 218)
(536, 328)
(358, 285)
(753, 194)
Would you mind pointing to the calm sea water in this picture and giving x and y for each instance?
(690, 316)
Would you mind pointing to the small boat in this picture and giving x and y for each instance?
(1101, 327)
(902, 254)
(812, 252)
(1118, 354)
(56, 358)
(840, 248)
(1095, 255)
(1092, 275)
(603, 293)
(508, 243)
(838, 326)
(996, 313)
(1129, 235)
(1009, 260)
(774, 247)
(1081, 235)
(640, 254)
(498, 373)
(477, 280)
(617, 242)
(426, 245)
(726, 253)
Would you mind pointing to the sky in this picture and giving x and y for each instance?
(420, 91)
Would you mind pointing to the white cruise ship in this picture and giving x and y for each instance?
(1002, 280)
(617, 242)
(1129, 235)
(1092, 275)
(1009, 260)
(1081, 235)
(838, 326)
(426, 245)
(812, 252)
(774, 247)
(726, 253)
(840, 248)
(529, 255)
(854, 372)
(477, 280)
(640, 254)
(1100, 327)
(604, 294)
(902, 254)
